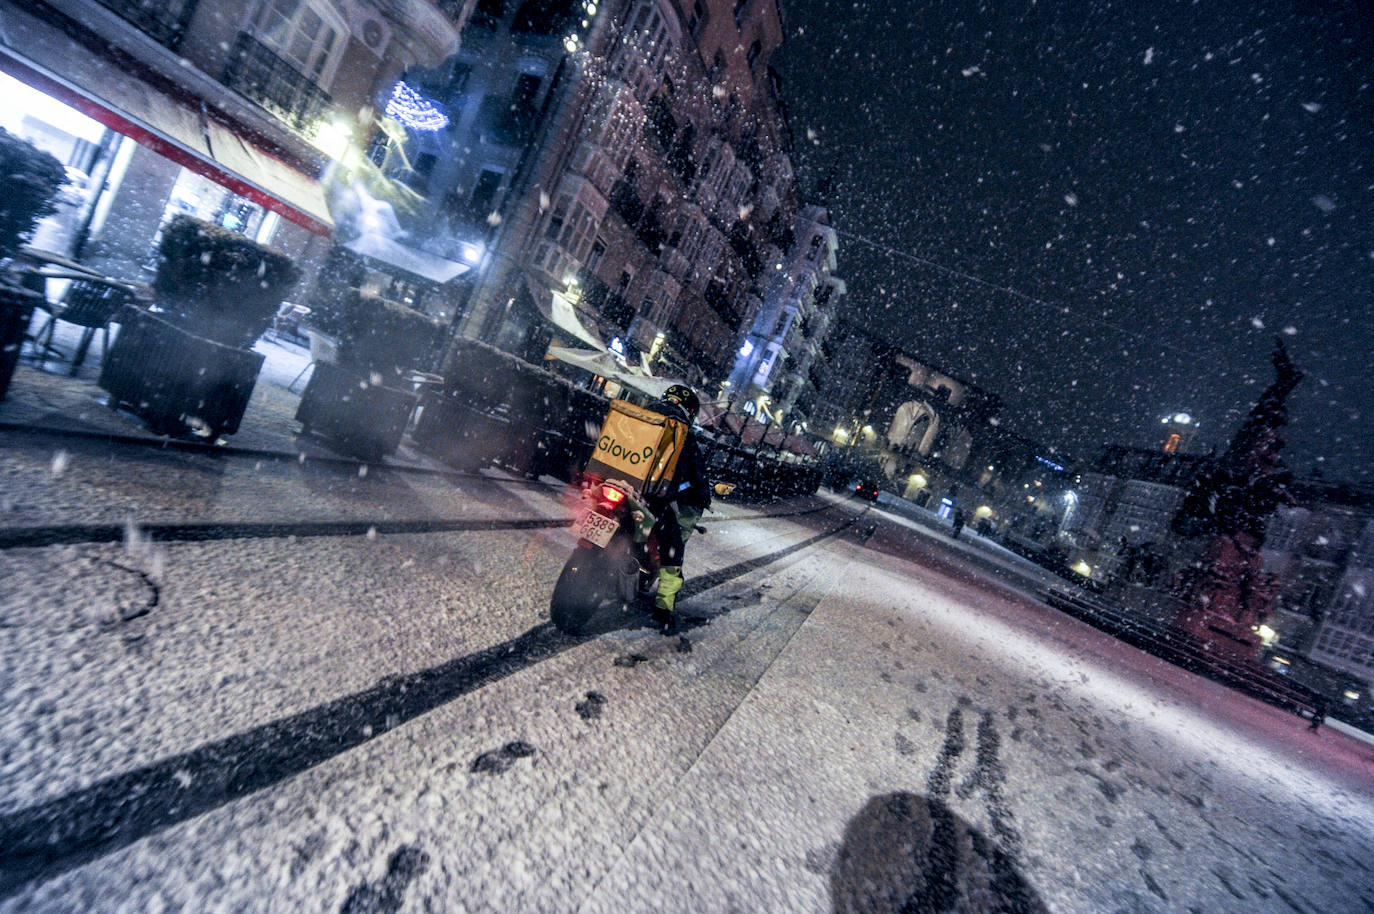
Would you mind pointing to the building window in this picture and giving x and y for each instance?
(717, 64)
(557, 218)
(543, 17)
(697, 20)
(484, 191)
(488, 13)
(520, 113)
(645, 46)
(525, 92)
(424, 166)
(304, 34)
(597, 252)
(755, 50)
(457, 81)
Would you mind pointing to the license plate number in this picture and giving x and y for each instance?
(597, 528)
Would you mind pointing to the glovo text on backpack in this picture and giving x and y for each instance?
(639, 446)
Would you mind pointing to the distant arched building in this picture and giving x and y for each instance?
(915, 425)
(936, 435)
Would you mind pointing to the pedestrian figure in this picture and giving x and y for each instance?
(1318, 714)
(1130, 558)
(958, 520)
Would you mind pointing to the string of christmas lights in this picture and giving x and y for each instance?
(414, 110)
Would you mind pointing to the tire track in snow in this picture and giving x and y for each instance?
(44, 841)
(74, 534)
(796, 607)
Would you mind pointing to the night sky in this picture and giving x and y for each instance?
(1105, 212)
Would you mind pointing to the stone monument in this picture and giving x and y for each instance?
(1225, 591)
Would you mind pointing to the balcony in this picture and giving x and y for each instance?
(258, 74)
(164, 21)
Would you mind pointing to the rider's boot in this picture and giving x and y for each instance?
(669, 583)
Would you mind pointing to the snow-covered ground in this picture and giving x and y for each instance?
(386, 723)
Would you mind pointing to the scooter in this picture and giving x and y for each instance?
(614, 566)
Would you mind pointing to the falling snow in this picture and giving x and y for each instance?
(1201, 177)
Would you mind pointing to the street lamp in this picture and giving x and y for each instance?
(334, 138)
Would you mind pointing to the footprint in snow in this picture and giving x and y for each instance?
(590, 708)
(386, 895)
(497, 761)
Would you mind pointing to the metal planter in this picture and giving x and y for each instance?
(356, 416)
(464, 437)
(16, 310)
(176, 381)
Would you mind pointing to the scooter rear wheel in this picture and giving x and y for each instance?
(584, 587)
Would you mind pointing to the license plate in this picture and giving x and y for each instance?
(597, 528)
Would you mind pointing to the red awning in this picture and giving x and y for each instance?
(756, 432)
(711, 416)
(184, 135)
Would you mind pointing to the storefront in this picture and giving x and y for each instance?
(129, 171)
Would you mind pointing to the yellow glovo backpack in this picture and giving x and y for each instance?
(639, 446)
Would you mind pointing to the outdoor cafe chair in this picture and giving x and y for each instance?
(90, 304)
(288, 319)
(322, 349)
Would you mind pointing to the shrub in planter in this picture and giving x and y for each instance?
(16, 310)
(382, 337)
(356, 416)
(218, 284)
(191, 366)
(341, 275)
(497, 408)
(31, 179)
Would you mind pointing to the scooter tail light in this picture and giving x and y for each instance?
(611, 495)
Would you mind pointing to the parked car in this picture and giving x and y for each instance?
(866, 490)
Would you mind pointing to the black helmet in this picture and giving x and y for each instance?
(684, 396)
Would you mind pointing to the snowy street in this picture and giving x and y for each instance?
(234, 684)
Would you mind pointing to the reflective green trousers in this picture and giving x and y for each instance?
(670, 578)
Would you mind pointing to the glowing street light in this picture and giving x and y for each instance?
(333, 138)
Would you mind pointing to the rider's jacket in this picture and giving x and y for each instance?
(691, 488)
